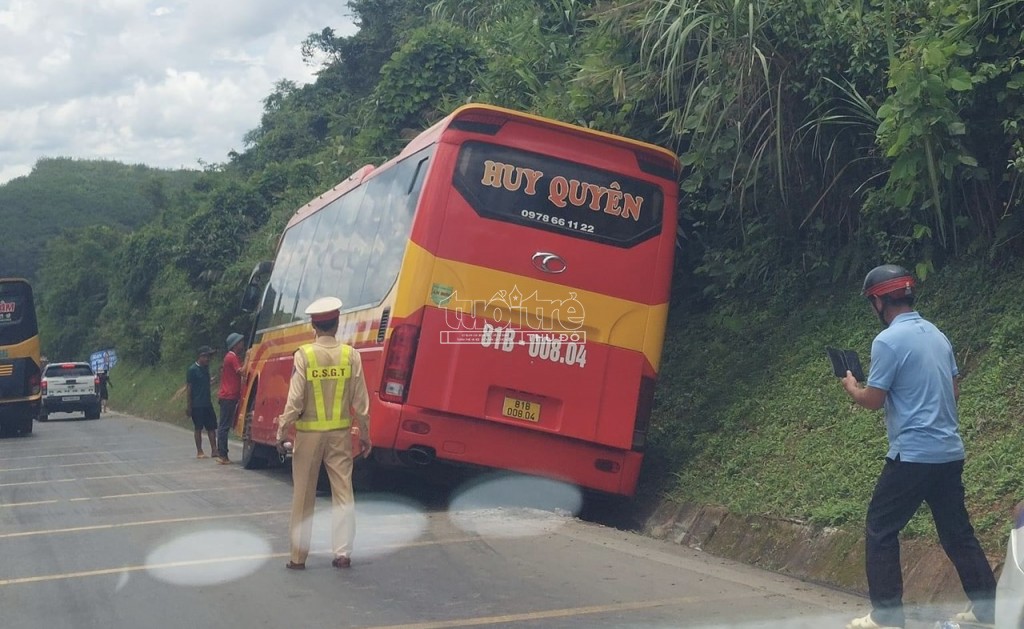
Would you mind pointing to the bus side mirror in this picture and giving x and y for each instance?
(251, 295)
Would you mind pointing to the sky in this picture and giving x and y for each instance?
(166, 83)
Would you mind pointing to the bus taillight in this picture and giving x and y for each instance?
(644, 406)
(394, 386)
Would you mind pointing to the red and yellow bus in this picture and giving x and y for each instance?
(506, 281)
(20, 362)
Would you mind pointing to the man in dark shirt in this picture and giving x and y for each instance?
(200, 404)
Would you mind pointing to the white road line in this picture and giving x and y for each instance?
(88, 452)
(167, 492)
(178, 472)
(134, 495)
(28, 504)
(55, 467)
(119, 525)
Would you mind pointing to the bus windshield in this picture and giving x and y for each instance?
(17, 312)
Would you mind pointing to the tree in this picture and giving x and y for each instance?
(73, 288)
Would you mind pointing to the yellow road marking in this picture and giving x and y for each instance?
(100, 527)
(544, 615)
(107, 571)
(207, 562)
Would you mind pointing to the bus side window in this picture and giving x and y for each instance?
(364, 231)
(282, 288)
(331, 276)
(394, 228)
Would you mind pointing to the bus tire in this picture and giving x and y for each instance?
(44, 417)
(26, 426)
(255, 456)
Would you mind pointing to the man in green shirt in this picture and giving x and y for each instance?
(200, 403)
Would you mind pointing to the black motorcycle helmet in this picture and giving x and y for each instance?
(890, 283)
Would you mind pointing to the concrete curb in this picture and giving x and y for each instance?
(826, 555)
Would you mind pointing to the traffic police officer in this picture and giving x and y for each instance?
(327, 391)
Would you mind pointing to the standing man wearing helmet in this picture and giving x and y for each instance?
(327, 391)
(230, 392)
(913, 375)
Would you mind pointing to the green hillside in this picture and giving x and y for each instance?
(68, 194)
(749, 415)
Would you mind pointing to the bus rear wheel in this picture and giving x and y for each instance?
(255, 456)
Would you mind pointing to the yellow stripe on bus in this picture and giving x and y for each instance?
(606, 319)
(25, 349)
(348, 330)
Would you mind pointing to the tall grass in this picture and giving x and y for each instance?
(749, 415)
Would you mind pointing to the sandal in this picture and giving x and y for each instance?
(342, 562)
(867, 622)
(291, 565)
(968, 617)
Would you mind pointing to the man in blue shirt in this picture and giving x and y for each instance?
(913, 376)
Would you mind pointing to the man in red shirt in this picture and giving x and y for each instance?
(230, 392)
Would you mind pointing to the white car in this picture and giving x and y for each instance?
(70, 388)
(1010, 590)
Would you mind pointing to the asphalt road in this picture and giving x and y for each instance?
(113, 523)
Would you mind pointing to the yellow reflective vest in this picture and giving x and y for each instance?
(338, 418)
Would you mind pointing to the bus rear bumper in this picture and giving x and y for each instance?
(19, 410)
(471, 441)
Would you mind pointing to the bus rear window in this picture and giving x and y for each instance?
(556, 195)
(13, 303)
(67, 371)
(17, 313)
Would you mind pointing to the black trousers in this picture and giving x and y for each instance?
(900, 490)
(227, 418)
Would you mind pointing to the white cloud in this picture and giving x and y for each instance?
(164, 83)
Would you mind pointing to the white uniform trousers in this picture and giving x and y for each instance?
(334, 449)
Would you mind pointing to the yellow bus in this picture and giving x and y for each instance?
(20, 363)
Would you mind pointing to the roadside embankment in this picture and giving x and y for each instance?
(826, 555)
